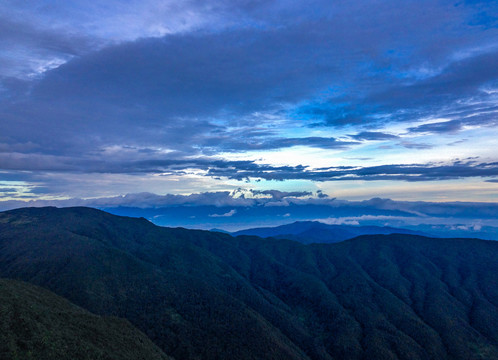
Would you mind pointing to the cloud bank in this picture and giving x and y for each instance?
(246, 91)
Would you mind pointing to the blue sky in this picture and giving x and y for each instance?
(356, 99)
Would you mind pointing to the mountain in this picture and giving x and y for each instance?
(219, 230)
(457, 230)
(308, 232)
(37, 324)
(204, 295)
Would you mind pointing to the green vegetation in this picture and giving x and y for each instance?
(37, 324)
(203, 295)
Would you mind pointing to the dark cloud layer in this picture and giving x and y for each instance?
(245, 169)
(373, 135)
(269, 143)
(153, 90)
(77, 96)
(457, 92)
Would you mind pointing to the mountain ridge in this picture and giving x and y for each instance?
(207, 295)
(308, 232)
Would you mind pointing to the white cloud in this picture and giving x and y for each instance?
(228, 214)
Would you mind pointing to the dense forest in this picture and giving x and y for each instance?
(208, 295)
(36, 324)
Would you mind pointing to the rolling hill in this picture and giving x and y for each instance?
(37, 324)
(204, 295)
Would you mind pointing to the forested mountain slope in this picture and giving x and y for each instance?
(37, 324)
(203, 295)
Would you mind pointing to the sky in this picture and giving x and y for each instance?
(352, 100)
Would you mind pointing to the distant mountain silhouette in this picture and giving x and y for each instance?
(37, 324)
(208, 295)
(308, 232)
(220, 230)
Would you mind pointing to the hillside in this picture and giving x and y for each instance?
(203, 295)
(308, 232)
(37, 324)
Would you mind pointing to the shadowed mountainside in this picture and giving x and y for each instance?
(37, 324)
(207, 295)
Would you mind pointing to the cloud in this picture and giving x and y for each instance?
(44, 37)
(242, 209)
(235, 198)
(223, 143)
(451, 126)
(405, 172)
(141, 95)
(373, 135)
(228, 214)
(244, 169)
(384, 220)
(457, 92)
(143, 200)
(239, 199)
(8, 189)
(279, 195)
(185, 83)
(236, 73)
(413, 145)
(344, 221)
(31, 50)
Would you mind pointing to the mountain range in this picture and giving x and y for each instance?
(450, 220)
(308, 232)
(209, 295)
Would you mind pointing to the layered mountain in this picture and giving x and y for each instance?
(308, 232)
(204, 295)
(37, 324)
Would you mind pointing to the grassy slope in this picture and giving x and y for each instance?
(37, 324)
(208, 295)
